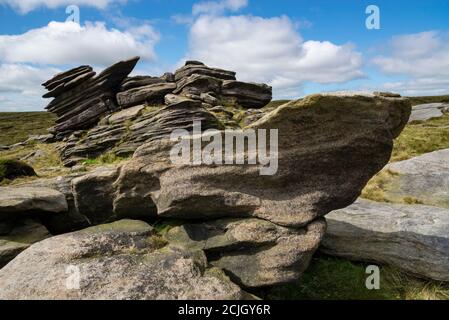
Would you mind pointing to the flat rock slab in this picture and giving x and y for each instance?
(121, 261)
(427, 111)
(425, 178)
(414, 238)
(29, 200)
(127, 114)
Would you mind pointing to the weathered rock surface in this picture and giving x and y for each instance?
(126, 115)
(323, 166)
(21, 236)
(121, 261)
(173, 100)
(413, 238)
(153, 93)
(199, 68)
(250, 95)
(66, 221)
(254, 252)
(142, 81)
(424, 178)
(427, 111)
(16, 202)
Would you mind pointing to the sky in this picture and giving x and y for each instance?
(299, 47)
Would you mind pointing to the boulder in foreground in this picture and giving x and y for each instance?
(120, 261)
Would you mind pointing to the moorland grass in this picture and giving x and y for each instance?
(18, 126)
(330, 278)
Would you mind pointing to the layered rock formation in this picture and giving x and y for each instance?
(414, 238)
(194, 92)
(260, 230)
(81, 98)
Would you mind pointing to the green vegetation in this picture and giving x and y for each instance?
(423, 100)
(107, 158)
(47, 165)
(164, 226)
(12, 169)
(17, 127)
(375, 189)
(418, 138)
(331, 278)
(422, 137)
(274, 104)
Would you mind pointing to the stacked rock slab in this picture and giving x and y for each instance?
(196, 80)
(82, 98)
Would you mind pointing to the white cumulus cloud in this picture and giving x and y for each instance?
(68, 42)
(217, 7)
(20, 86)
(25, 6)
(271, 50)
(422, 58)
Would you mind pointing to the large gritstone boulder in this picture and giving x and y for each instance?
(329, 147)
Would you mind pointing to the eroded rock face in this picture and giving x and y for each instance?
(199, 68)
(153, 93)
(322, 166)
(66, 221)
(414, 238)
(121, 261)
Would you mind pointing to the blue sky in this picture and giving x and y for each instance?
(298, 47)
